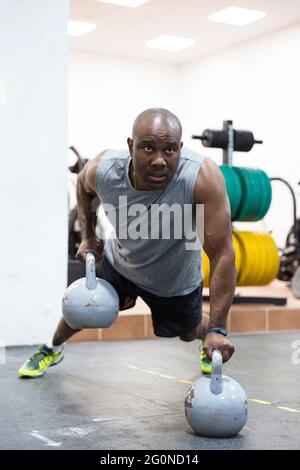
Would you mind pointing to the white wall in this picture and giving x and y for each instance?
(33, 199)
(107, 93)
(257, 86)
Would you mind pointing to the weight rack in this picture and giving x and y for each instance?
(228, 139)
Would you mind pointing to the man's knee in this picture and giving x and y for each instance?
(190, 336)
(129, 302)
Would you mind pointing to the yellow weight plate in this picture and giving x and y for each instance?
(274, 260)
(265, 258)
(238, 255)
(262, 258)
(205, 269)
(257, 273)
(244, 270)
(256, 259)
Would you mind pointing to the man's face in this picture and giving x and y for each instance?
(155, 150)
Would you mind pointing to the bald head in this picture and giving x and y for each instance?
(157, 117)
(155, 148)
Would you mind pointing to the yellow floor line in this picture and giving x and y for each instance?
(286, 408)
(184, 381)
(148, 372)
(261, 402)
(167, 376)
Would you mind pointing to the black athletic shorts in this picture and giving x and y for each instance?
(171, 316)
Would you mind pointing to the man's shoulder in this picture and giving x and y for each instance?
(115, 154)
(209, 183)
(111, 157)
(112, 161)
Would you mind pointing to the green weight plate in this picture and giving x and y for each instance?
(254, 194)
(268, 193)
(233, 187)
(246, 207)
(263, 195)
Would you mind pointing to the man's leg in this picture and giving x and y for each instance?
(48, 354)
(62, 333)
(51, 353)
(199, 333)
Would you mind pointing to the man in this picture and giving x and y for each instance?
(164, 270)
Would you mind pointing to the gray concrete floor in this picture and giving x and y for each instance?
(130, 394)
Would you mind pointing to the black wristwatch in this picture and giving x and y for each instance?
(221, 331)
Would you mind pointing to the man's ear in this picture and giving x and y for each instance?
(130, 144)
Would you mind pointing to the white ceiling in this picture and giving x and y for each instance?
(123, 31)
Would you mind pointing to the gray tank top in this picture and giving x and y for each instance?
(149, 248)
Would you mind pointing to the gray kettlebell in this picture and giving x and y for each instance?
(90, 302)
(216, 405)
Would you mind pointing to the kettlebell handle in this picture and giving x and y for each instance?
(216, 385)
(91, 281)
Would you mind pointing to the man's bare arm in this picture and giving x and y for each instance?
(210, 190)
(86, 193)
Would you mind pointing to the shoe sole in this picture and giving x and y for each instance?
(58, 362)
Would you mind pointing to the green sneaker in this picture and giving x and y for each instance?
(205, 363)
(39, 362)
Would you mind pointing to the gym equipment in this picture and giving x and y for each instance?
(256, 259)
(290, 254)
(249, 192)
(256, 194)
(90, 302)
(243, 140)
(229, 140)
(206, 264)
(233, 187)
(79, 161)
(205, 269)
(295, 284)
(216, 405)
(260, 259)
